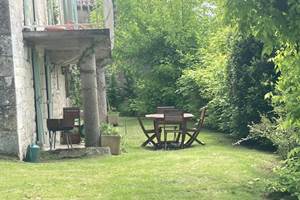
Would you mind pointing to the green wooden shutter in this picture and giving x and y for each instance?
(70, 11)
(50, 10)
(48, 69)
(28, 12)
(74, 12)
(38, 96)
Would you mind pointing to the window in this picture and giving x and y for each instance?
(53, 9)
(70, 11)
(28, 9)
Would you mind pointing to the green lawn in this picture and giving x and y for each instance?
(214, 171)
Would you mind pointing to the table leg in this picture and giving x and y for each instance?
(157, 132)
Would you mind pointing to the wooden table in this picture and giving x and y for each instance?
(158, 118)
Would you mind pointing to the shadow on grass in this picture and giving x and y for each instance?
(280, 196)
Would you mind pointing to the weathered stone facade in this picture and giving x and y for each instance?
(8, 117)
(31, 84)
(24, 93)
(17, 104)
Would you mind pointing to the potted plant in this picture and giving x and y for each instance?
(111, 138)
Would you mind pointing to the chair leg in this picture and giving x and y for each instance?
(199, 141)
(165, 140)
(194, 138)
(67, 139)
(182, 140)
(175, 131)
(50, 142)
(178, 137)
(70, 141)
(54, 139)
(149, 140)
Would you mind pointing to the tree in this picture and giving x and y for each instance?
(155, 41)
(277, 24)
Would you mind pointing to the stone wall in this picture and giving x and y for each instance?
(23, 80)
(17, 103)
(17, 107)
(8, 118)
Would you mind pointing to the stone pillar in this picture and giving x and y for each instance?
(9, 140)
(90, 100)
(102, 103)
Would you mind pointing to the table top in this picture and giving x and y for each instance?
(161, 116)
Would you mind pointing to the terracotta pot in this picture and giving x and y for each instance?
(113, 142)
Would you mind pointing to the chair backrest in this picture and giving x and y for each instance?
(161, 109)
(67, 123)
(173, 116)
(54, 124)
(71, 112)
(69, 115)
(202, 117)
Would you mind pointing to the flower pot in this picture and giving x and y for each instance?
(113, 142)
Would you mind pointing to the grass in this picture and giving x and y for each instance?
(214, 171)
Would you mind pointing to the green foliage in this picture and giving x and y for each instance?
(281, 31)
(97, 14)
(288, 178)
(75, 86)
(249, 78)
(113, 91)
(211, 75)
(155, 42)
(283, 139)
(277, 24)
(108, 129)
(191, 91)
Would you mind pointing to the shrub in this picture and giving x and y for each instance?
(249, 78)
(288, 178)
(108, 129)
(284, 139)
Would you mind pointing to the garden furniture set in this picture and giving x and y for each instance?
(168, 120)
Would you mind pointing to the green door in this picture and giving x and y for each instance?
(38, 96)
(48, 69)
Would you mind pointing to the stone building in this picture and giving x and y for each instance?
(39, 40)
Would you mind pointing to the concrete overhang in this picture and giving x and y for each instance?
(67, 46)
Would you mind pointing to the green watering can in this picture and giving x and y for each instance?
(33, 153)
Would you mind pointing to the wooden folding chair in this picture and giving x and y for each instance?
(195, 131)
(53, 126)
(172, 119)
(149, 133)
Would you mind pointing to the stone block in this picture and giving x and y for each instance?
(9, 142)
(4, 18)
(5, 45)
(6, 66)
(8, 119)
(75, 153)
(7, 91)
